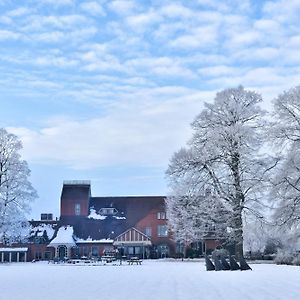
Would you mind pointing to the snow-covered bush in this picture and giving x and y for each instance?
(220, 253)
(284, 257)
(296, 260)
(272, 246)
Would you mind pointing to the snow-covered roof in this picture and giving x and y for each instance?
(39, 230)
(9, 249)
(119, 218)
(93, 215)
(64, 236)
(90, 240)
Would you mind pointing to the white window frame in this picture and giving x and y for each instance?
(162, 230)
(148, 231)
(161, 215)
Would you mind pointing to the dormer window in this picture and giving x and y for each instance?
(108, 211)
(161, 215)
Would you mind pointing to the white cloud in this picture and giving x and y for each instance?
(202, 37)
(57, 61)
(93, 8)
(140, 132)
(73, 36)
(141, 21)
(129, 64)
(62, 22)
(49, 37)
(122, 7)
(176, 10)
(244, 38)
(256, 54)
(161, 66)
(5, 20)
(19, 12)
(9, 35)
(283, 11)
(57, 2)
(220, 70)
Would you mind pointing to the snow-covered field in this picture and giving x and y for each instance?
(163, 280)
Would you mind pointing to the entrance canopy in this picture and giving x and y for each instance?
(64, 236)
(132, 237)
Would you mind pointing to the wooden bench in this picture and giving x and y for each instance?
(134, 260)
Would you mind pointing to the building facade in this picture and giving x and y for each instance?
(91, 226)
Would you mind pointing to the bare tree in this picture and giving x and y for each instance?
(224, 156)
(16, 192)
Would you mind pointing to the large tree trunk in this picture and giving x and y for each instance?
(237, 205)
(238, 232)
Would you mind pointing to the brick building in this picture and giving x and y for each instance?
(89, 226)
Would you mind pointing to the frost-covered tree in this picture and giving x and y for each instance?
(16, 192)
(285, 133)
(187, 222)
(224, 156)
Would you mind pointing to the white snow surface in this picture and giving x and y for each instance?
(154, 279)
(64, 236)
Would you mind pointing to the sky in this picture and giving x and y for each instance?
(106, 90)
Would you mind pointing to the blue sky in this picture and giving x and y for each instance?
(106, 90)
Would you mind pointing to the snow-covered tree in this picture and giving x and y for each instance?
(224, 156)
(16, 192)
(187, 222)
(285, 132)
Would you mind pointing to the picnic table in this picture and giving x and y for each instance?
(134, 260)
(108, 258)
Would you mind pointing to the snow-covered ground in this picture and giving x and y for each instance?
(163, 280)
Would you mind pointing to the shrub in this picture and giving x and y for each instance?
(296, 260)
(220, 253)
(284, 257)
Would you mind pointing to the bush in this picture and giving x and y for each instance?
(296, 260)
(272, 246)
(284, 257)
(220, 253)
(254, 255)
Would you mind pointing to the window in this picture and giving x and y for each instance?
(130, 250)
(108, 211)
(77, 209)
(45, 217)
(85, 251)
(47, 255)
(163, 251)
(148, 231)
(38, 255)
(162, 230)
(95, 251)
(161, 215)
